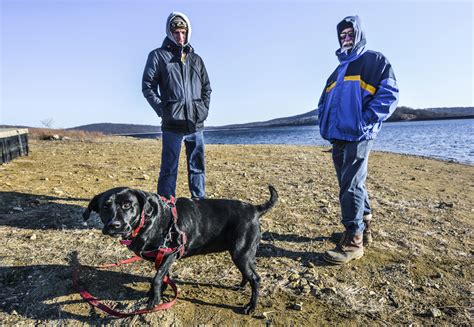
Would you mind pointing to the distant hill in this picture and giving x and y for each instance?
(308, 118)
(111, 128)
(407, 113)
(400, 114)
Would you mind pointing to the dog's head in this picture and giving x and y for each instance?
(120, 210)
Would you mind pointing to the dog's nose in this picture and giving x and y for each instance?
(115, 224)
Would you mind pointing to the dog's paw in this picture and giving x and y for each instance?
(240, 286)
(153, 302)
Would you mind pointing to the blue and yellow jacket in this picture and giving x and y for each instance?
(360, 94)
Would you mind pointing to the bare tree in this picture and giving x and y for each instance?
(48, 122)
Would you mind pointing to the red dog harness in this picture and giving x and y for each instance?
(158, 254)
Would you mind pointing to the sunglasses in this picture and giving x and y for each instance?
(342, 36)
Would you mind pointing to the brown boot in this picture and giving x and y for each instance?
(338, 237)
(350, 248)
(367, 239)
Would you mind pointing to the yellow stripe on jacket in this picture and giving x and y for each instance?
(369, 88)
(329, 88)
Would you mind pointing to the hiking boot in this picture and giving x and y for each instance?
(349, 249)
(367, 236)
(338, 237)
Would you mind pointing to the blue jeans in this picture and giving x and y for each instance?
(351, 161)
(170, 159)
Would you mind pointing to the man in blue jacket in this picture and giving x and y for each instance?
(177, 87)
(359, 95)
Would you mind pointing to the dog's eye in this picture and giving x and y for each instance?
(126, 205)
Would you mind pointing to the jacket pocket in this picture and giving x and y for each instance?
(200, 111)
(174, 112)
(350, 121)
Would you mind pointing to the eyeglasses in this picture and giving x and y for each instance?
(342, 36)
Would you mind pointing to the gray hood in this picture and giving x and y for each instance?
(355, 21)
(168, 31)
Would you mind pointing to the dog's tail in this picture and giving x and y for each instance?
(263, 208)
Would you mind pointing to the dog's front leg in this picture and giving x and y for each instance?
(154, 295)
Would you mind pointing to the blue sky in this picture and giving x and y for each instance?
(80, 62)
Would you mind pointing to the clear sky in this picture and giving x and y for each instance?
(79, 62)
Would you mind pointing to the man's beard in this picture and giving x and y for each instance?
(347, 48)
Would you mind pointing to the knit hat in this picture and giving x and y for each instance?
(178, 22)
(343, 25)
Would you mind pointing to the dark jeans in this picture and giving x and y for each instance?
(351, 161)
(170, 159)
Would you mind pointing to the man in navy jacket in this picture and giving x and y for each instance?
(176, 85)
(359, 95)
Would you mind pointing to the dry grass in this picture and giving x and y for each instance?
(49, 134)
(418, 272)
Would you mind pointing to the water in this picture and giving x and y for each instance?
(451, 140)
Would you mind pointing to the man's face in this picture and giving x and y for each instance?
(347, 38)
(180, 35)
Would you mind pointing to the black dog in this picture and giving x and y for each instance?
(210, 225)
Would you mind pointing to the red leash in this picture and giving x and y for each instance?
(157, 254)
(99, 305)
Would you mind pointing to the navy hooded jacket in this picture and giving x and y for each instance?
(178, 90)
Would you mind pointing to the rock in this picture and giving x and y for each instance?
(297, 306)
(293, 277)
(444, 205)
(435, 312)
(266, 314)
(38, 202)
(323, 201)
(58, 191)
(146, 177)
(306, 289)
(437, 275)
(294, 284)
(33, 237)
(329, 290)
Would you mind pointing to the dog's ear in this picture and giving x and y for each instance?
(146, 202)
(93, 206)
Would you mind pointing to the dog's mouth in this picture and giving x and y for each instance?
(125, 233)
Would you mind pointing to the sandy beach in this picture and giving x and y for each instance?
(418, 271)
